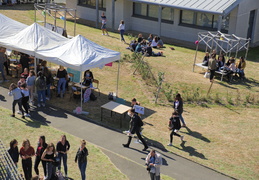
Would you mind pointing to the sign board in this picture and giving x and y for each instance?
(139, 109)
(76, 73)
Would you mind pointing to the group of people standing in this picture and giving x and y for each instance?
(49, 155)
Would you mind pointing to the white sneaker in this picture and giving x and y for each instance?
(170, 144)
(27, 115)
(103, 34)
(47, 98)
(182, 138)
(38, 105)
(43, 104)
(19, 112)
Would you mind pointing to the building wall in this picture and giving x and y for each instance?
(243, 19)
(238, 23)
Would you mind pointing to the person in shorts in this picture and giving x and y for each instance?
(103, 27)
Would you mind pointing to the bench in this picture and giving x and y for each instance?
(206, 67)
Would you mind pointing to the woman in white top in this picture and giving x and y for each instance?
(121, 29)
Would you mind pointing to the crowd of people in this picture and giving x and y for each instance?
(231, 67)
(49, 155)
(145, 46)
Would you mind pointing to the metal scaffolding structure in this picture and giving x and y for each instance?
(227, 43)
(54, 10)
(8, 170)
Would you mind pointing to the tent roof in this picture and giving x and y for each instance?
(9, 27)
(80, 54)
(33, 38)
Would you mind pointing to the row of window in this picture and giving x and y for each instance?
(187, 18)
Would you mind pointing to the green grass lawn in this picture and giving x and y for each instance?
(22, 129)
(222, 133)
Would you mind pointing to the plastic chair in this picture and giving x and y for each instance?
(97, 85)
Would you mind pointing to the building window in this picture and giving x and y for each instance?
(92, 4)
(167, 15)
(225, 23)
(199, 20)
(151, 12)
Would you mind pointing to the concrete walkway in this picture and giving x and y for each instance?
(129, 161)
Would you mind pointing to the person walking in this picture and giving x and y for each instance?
(81, 159)
(42, 145)
(2, 61)
(13, 151)
(26, 153)
(178, 106)
(103, 27)
(174, 126)
(40, 84)
(17, 98)
(153, 162)
(121, 29)
(135, 124)
(62, 149)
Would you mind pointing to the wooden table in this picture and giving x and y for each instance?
(115, 107)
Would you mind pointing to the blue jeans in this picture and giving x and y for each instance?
(50, 170)
(48, 90)
(64, 157)
(41, 94)
(82, 168)
(181, 118)
(2, 71)
(122, 33)
(62, 84)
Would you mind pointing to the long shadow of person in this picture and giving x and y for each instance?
(192, 151)
(196, 135)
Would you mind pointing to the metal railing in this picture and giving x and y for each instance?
(8, 170)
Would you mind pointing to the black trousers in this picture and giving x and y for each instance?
(25, 103)
(6, 67)
(212, 73)
(27, 167)
(19, 102)
(36, 165)
(140, 138)
(173, 134)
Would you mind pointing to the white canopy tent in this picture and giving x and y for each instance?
(33, 38)
(9, 27)
(78, 53)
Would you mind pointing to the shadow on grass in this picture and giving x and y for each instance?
(2, 98)
(19, 7)
(196, 135)
(192, 151)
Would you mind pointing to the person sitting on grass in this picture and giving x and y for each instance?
(150, 38)
(133, 46)
(154, 42)
(17, 98)
(150, 52)
(160, 43)
(240, 65)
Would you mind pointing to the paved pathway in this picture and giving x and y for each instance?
(129, 161)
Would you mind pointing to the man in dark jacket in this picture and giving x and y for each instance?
(135, 124)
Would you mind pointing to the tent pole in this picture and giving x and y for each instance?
(118, 74)
(81, 92)
(197, 46)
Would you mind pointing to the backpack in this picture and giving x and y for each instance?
(42, 83)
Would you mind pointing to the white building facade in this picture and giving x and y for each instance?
(177, 19)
